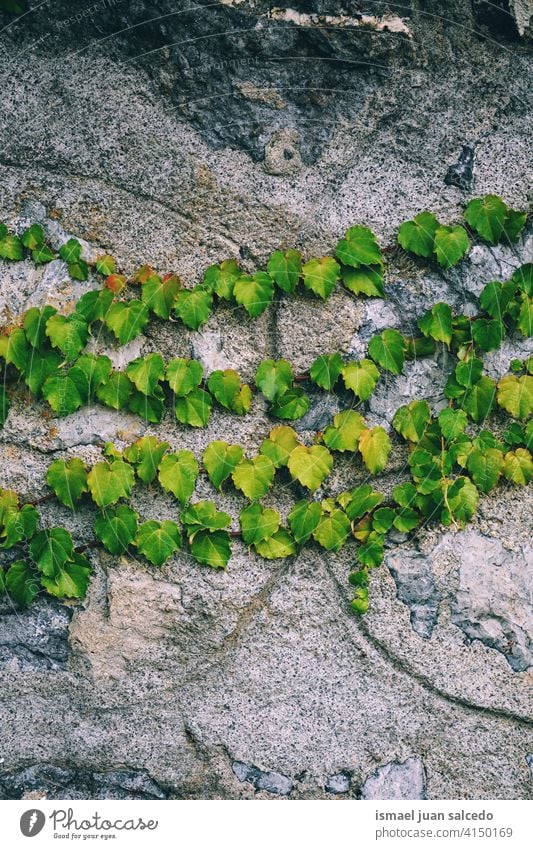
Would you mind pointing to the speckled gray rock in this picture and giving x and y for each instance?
(271, 782)
(338, 783)
(397, 781)
(416, 588)
(493, 599)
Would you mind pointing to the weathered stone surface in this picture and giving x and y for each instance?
(397, 781)
(163, 679)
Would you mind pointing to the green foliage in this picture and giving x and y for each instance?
(158, 540)
(375, 447)
(254, 292)
(411, 420)
(362, 376)
(221, 278)
(491, 219)
(515, 395)
(344, 433)
(160, 295)
(282, 440)
(437, 323)
(359, 247)
(258, 523)
(220, 461)
(325, 370)
(109, 482)
(293, 404)
(451, 244)
(273, 378)
(146, 372)
(145, 456)
(116, 528)
(127, 319)
(228, 390)
(366, 280)
(184, 375)
(418, 235)
(68, 479)
(68, 333)
(310, 466)
(387, 350)
(178, 473)
(285, 267)
(304, 519)
(193, 306)
(194, 409)
(320, 276)
(254, 477)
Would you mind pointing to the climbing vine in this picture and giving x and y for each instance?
(452, 457)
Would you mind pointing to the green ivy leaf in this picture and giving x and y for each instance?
(382, 520)
(228, 390)
(193, 306)
(39, 367)
(78, 270)
(366, 280)
(514, 224)
(326, 370)
(254, 292)
(71, 581)
(463, 499)
(115, 392)
(375, 447)
(88, 373)
(62, 394)
(34, 324)
(108, 482)
(293, 404)
(333, 530)
(488, 333)
(360, 501)
(220, 460)
(21, 582)
(310, 465)
(178, 473)
(451, 244)
(437, 323)
(70, 251)
(406, 520)
(487, 217)
(4, 406)
(282, 440)
(515, 394)
(361, 377)
(68, 333)
(146, 372)
(158, 540)
(304, 519)
(469, 372)
(495, 298)
(452, 422)
(160, 295)
(254, 477)
(43, 255)
(278, 546)
(370, 553)
(258, 523)
(94, 306)
(203, 516)
(387, 350)
(518, 466)
(479, 399)
(50, 549)
(285, 267)
(11, 248)
(321, 275)
(194, 409)
(523, 278)
(485, 468)
(14, 348)
(221, 278)
(344, 434)
(211, 549)
(68, 479)
(146, 455)
(525, 316)
(184, 375)
(127, 319)
(411, 420)
(150, 407)
(273, 378)
(359, 247)
(105, 265)
(117, 528)
(19, 525)
(418, 235)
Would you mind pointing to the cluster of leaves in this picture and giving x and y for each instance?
(488, 217)
(47, 559)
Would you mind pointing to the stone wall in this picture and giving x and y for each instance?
(231, 130)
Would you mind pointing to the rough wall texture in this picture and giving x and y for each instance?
(231, 130)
